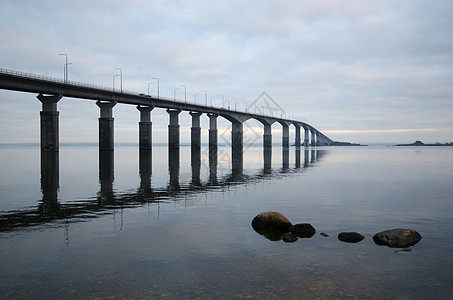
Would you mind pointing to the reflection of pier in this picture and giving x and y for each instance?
(106, 200)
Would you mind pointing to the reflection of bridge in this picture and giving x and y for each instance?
(107, 201)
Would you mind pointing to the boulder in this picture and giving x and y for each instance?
(350, 237)
(289, 237)
(303, 230)
(271, 220)
(397, 238)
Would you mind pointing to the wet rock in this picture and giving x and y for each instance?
(303, 230)
(289, 237)
(350, 237)
(271, 220)
(324, 234)
(397, 238)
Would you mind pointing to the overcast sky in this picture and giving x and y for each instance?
(359, 71)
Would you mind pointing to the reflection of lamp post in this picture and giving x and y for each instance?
(65, 69)
(206, 97)
(158, 88)
(185, 93)
(121, 78)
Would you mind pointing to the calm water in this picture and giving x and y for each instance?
(124, 231)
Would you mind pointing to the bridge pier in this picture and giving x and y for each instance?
(145, 128)
(173, 128)
(306, 134)
(195, 132)
(49, 122)
(297, 140)
(267, 136)
(212, 139)
(237, 145)
(285, 135)
(313, 137)
(106, 125)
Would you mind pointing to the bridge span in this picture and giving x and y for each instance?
(51, 90)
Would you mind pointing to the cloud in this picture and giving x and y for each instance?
(350, 65)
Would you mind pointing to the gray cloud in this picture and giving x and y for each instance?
(341, 65)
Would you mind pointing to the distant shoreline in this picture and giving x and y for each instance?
(419, 143)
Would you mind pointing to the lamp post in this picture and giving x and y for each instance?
(116, 75)
(65, 69)
(195, 97)
(158, 88)
(223, 99)
(185, 92)
(206, 97)
(121, 78)
(174, 94)
(234, 103)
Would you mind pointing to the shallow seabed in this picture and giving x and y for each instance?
(125, 232)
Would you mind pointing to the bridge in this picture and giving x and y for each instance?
(51, 90)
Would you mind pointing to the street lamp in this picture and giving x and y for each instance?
(174, 94)
(234, 103)
(185, 93)
(65, 69)
(195, 97)
(158, 88)
(223, 99)
(116, 75)
(121, 78)
(206, 97)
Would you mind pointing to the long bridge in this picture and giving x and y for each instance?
(50, 90)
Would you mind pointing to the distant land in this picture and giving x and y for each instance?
(419, 143)
(336, 143)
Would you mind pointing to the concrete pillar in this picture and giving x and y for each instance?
(173, 128)
(195, 130)
(297, 140)
(237, 144)
(213, 139)
(145, 128)
(313, 138)
(267, 136)
(317, 138)
(285, 136)
(306, 134)
(49, 122)
(106, 126)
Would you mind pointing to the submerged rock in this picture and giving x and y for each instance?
(324, 234)
(289, 237)
(350, 237)
(303, 230)
(397, 238)
(272, 225)
(271, 220)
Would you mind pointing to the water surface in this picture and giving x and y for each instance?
(122, 230)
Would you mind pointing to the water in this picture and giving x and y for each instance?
(121, 231)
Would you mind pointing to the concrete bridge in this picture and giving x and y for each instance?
(51, 90)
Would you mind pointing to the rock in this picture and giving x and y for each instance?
(397, 238)
(289, 237)
(350, 237)
(271, 221)
(324, 234)
(303, 230)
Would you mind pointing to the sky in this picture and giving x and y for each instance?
(359, 71)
